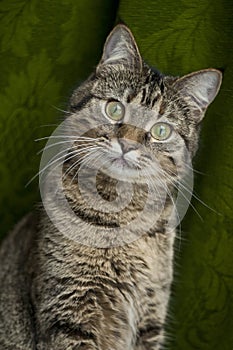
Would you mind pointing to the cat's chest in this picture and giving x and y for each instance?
(149, 275)
(157, 256)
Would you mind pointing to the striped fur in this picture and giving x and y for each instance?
(57, 294)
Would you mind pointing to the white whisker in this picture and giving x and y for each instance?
(61, 110)
(174, 183)
(53, 160)
(91, 156)
(195, 196)
(62, 142)
(74, 137)
(90, 150)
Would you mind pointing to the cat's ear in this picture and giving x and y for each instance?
(201, 87)
(121, 48)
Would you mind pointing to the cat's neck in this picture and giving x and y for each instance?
(95, 226)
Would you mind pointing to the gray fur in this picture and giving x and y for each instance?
(57, 294)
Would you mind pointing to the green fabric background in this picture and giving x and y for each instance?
(48, 47)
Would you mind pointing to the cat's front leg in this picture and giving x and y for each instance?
(149, 342)
(99, 329)
(64, 339)
(150, 339)
(61, 343)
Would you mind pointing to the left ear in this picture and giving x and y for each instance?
(201, 87)
(121, 48)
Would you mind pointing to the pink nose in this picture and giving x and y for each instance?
(127, 145)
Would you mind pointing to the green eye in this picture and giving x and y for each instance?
(115, 110)
(161, 131)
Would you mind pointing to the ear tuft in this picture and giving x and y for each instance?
(202, 86)
(121, 48)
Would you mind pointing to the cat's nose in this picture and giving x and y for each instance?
(127, 146)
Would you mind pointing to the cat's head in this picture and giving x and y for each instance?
(141, 121)
(128, 142)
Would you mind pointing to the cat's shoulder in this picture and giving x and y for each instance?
(19, 239)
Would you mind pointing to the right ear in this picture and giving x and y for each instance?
(201, 86)
(121, 48)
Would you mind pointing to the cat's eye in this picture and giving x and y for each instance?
(161, 131)
(115, 110)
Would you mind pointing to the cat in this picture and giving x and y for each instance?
(108, 287)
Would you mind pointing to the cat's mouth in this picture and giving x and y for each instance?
(121, 168)
(121, 162)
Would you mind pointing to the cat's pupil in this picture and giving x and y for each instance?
(162, 131)
(116, 110)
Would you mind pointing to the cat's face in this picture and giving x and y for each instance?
(127, 145)
(136, 122)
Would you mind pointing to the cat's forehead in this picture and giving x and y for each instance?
(146, 93)
(127, 85)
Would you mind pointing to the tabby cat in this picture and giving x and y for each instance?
(100, 279)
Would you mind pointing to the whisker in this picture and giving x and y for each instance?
(163, 184)
(174, 183)
(195, 196)
(75, 137)
(60, 143)
(80, 160)
(196, 171)
(47, 125)
(61, 110)
(89, 149)
(144, 171)
(75, 152)
(86, 161)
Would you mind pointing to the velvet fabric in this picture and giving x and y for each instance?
(48, 48)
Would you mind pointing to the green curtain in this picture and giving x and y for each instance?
(47, 47)
(179, 37)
